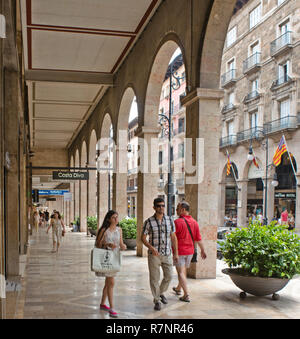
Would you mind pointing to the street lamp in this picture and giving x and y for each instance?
(251, 158)
(168, 120)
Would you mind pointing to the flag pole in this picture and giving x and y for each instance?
(290, 159)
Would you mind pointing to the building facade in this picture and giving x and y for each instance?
(260, 77)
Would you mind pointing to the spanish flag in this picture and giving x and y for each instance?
(228, 165)
(281, 149)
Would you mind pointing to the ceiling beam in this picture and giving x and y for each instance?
(67, 76)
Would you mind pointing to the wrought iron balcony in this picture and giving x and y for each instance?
(228, 78)
(251, 133)
(227, 108)
(230, 140)
(280, 81)
(288, 122)
(131, 188)
(252, 63)
(281, 44)
(251, 96)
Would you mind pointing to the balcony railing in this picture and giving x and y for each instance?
(280, 81)
(252, 95)
(285, 40)
(228, 141)
(131, 188)
(288, 122)
(251, 133)
(227, 108)
(252, 62)
(228, 77)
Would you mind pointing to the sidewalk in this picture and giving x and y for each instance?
(62, 286)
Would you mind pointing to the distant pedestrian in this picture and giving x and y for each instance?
(161, 231)
(57, 228)
(284, 216)
(188, 237)
(46, 214)
(36, 219)
(109, 236)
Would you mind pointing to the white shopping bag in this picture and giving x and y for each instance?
(105, 261)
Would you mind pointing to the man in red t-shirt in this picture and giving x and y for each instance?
(186, 246)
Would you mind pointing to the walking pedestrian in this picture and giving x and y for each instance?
(284, 216)
(161, 231)
(109, 236)
(36, 218)
(188, 237)
(57, 228)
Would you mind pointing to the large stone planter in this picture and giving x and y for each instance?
(130, 243)
(256, 285)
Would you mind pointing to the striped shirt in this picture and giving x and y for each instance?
(160, 233)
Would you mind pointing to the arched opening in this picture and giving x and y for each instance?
(125, 178)
(83, 191)
(92, 183)
(285, 192)
(163, 112)
(105, 163)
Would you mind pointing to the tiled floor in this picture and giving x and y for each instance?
(62, 286)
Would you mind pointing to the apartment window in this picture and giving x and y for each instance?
(160, 157)
(284, 27)
(230, 128)
(231, 65)
(181, 125)
(284, 108)
(283, 72)
(254, 48)
(231, 98)
(254, 85)
(255, 16)
(253, 120)
(231, 36)
(181, 150)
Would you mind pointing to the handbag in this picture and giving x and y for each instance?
(194, 258)
(105, 261)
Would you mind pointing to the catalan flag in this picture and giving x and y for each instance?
(228, 165)
(255, 162)
(281, 149)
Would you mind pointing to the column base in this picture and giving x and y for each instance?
(206, 269)
(2, 308)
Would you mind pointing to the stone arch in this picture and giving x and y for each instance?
(211, 49)
(156, 78)
(224, 172)
(92, 183)
(83, 190)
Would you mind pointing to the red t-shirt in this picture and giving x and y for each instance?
(284, 216)
(185, 242)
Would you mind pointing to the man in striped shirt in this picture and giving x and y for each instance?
(161, 231)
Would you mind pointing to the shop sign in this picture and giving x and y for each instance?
(58, 175)
(52, 192)
(279, 195)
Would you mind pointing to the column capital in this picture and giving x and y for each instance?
(141, 131)
(202, 93)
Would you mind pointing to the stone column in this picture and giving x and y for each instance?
(83, 205)
(147, 180)
(221, 204)
(201, 188)
(103, 195)
(119, 201)
(72, 217)
(297, 211)
(11, 123)
(242, 202)
(92, 192)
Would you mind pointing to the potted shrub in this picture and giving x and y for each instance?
(128, 226)
(262, 259)
(92, 224)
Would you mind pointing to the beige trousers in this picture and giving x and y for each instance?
(154, 264)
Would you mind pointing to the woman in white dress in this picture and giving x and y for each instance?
(109, 236)
(57, 228)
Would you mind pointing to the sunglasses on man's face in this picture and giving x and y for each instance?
(160, 206)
